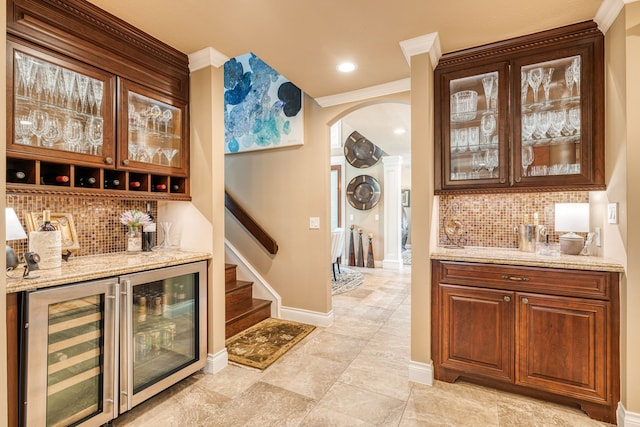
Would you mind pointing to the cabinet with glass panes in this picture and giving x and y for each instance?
(96, 110)
(522, 114)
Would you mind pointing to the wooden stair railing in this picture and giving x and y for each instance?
(250, 224)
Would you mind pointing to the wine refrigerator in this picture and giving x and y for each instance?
(96, 349)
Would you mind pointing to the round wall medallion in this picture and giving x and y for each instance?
(360, 152)
(363, 192)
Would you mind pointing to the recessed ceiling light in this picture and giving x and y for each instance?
(346, 67)
(400, 131)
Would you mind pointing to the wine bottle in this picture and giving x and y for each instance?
(16, 175)
(135, 185)
(46, 222)
(159, 187)
(148, 232)
(175, 188)
(86, 181)
(111, 183)
(54, 179)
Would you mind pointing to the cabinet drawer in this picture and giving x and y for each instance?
(580, 283)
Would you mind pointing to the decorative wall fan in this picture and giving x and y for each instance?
(363, 192)
(360, 152)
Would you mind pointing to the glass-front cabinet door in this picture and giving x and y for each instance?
(474, 138)
(554, 136)
(152, 131)
(60, 109)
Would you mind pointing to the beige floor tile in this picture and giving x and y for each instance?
(337, 347)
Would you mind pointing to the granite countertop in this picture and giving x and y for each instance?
(80, 269)
(507, 256)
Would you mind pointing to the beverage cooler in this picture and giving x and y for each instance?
(96, 349)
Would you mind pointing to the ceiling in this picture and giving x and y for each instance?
(305, 40)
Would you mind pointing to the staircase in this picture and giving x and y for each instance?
(242, 310)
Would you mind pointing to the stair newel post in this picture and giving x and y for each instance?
(370, 263)
(360, 250)
(352, 253)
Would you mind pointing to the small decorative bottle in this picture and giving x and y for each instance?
(134, 239)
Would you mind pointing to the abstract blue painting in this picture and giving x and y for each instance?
(262, 109)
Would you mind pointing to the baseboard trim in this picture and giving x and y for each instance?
(216, 362)
(307, 316)
(421, 373)
(627, 418)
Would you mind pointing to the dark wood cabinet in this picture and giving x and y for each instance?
(95, 106)
(498, 326)
(522, 114)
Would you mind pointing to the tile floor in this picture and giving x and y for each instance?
(353, 373)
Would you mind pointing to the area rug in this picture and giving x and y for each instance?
(264, 343)
(346, 281)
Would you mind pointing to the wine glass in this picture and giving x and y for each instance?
(454, 140)
(83, 86)
(25, 65)
(543, 122)
(558, 121)
(487, 84)
(535, 78)
(52, 134)
(150, 153)
(166, 240)
(97, 88)
(474, 138)
(39, 123)
(154, 113)
(528, 126)
(23, 130)
(72, 134)
(574, 119)
(169, 153)
(133, 151)
(546, 85)
(575, 65)
(524, 88)
(477, 163)
(568, 76)
(491, 161)
(463, 140)
(52, 72)
(39, 78)
(488, 126)
(527, 158)
(69, 79)
(95, 133)
(166, 117)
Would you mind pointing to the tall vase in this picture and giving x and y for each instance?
(352, 249)
(360, 250)
(134, 240)
(370, 261)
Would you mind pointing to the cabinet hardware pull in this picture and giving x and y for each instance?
(125, 162)
(525, 300)
(515, 278)
(502, 180)
(506, 298)
(108, 160)
(518, 179)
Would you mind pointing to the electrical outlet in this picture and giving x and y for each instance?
(612, 213)
(596, 237)
(314, 223)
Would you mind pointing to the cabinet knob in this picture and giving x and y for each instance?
(518, 179)
(108, 160)
(525, 300)
(125, 162)
(503, 180)
(506, 298)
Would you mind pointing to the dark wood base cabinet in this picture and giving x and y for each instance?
(548, 333)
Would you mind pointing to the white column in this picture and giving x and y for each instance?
(392, 212)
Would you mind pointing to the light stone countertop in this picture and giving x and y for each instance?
(507, 256)
(80, 269)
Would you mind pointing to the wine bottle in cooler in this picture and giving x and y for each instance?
(149, 232)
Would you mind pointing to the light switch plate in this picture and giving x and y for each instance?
(314, 223)
(612, 213)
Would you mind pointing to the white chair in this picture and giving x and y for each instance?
(337, 245)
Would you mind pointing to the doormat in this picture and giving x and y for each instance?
(264, 343)
(346, 281)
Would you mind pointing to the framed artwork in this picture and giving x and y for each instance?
(406, 198)
(262, 109)
(60, 221)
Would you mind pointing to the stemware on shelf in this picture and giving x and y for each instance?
(167, 115)
(133, 151)
(477, 163)
(72, 134)
(488, 127)
(52, 73)
(25, 65)
(487, 84)
(546, 85)
(39, 79)
(574, 119)
(524, 87)
(491, 160)
(529, 124)
(39, 123)
(463, 140)
(558, 122)
(543, 123)
(149, 154)
(83, 85)
(569, 78)
(169, 153)
(575, 64)
(97, 89)
(69, 79)
(534, 78)
(474, 138)
(23, 129)
(154, 113)
(53, 134)
(527, 158)
(95, 133)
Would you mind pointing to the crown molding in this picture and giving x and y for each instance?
(608, 12)
(397, 86)
(428, 43)
(207, 57)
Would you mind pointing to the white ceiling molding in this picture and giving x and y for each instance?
(608, 12)
(207, 57)
(398, 86)
(422, 44)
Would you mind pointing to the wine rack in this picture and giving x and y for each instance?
(45, 177)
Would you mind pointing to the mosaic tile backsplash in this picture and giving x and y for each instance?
(96, 220)
(489, 219)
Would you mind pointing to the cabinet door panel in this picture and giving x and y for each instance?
(477, 330)
(562, 345)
